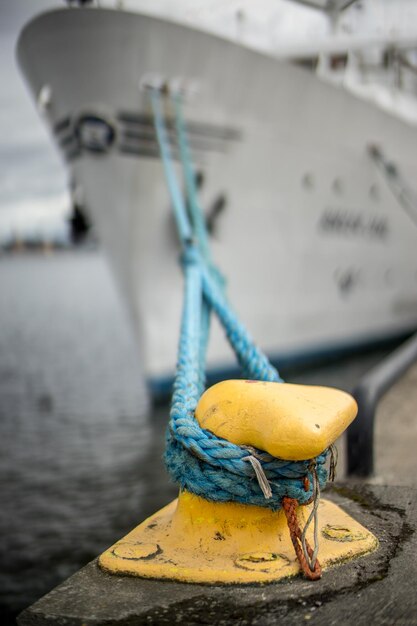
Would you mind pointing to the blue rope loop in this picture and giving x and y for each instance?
(199, 461)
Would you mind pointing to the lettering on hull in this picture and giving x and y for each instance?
(348, 223)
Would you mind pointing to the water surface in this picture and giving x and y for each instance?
(80, 461)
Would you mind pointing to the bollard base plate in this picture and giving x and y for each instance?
(193, 540)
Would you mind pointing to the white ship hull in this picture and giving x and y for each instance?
(317, 251)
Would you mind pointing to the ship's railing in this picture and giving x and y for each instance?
(368, 393)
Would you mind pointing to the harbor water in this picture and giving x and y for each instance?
(80, 460)
(81, 451)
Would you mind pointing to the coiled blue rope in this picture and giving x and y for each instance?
(196, 459)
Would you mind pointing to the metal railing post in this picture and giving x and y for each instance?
(368, 393)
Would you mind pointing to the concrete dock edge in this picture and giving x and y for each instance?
(379, 588)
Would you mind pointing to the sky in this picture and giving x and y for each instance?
(33, 181)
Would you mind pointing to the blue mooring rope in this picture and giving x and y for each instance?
(196, 459)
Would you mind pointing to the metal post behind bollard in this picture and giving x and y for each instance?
(370, 390)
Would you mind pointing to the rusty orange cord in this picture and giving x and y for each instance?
(290, 509)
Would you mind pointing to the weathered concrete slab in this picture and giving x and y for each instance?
(376, 589)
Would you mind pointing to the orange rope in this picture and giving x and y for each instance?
(290, 508)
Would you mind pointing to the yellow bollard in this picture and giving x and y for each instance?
(293, 422)
(195, 540)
